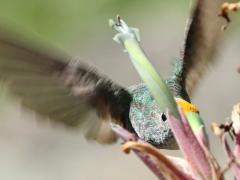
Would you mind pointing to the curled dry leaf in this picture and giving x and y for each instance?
(236, 128)
(220, 129)
(236, 118)
(233, 129)
(169, 169)
(226, 8)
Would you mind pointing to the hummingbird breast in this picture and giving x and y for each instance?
(147, 119)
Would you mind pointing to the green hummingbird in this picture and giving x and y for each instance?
(64, 90)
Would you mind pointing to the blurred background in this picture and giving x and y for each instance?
(80, 27)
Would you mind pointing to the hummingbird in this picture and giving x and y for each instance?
(64, 90)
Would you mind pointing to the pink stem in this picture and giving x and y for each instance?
(127, 136)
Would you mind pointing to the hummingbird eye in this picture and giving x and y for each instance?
(164, 117)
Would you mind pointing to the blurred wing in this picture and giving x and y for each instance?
(202, 36)
(61, 89)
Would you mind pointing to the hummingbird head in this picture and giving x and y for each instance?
(147, 119)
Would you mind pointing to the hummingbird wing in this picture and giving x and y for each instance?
(202, 37)
(62, 89)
